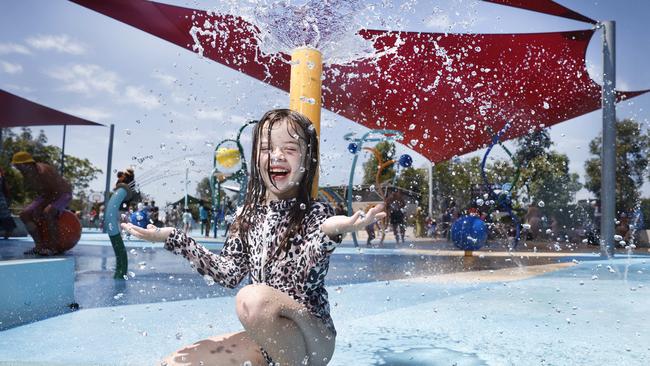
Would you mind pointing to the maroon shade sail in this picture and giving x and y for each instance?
(19, 112)
(448, 93)
(544, 6)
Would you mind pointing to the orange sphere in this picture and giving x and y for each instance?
(69, 232)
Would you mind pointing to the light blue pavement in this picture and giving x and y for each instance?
(593, 313)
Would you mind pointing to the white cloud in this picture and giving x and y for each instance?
(137, 96)
(10, 68)
(92, 114)
(7, 48)
(60, 43)
(209, 115)
(17, 88)
(165, 79)
(86, 79)
(438, 21)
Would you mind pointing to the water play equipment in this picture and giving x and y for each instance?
(355, 146)
(499, 71)
(229, 165)
(305, 90)
(501, 199)
(69, 232)
(469, 233)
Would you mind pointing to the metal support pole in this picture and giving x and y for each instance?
(63, 150)
(187, 170)
(431, 190)
(109, 160)
(608, 154)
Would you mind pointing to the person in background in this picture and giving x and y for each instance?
(187, 221)
(205, 221)
(6, 221)
(53, 193)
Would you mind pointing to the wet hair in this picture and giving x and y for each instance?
(297, 124)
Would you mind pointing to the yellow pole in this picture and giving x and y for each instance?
(305, 90)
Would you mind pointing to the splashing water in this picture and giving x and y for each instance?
(280, 26)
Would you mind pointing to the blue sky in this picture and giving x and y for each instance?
(170, 107)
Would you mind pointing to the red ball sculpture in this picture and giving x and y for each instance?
(69, 232)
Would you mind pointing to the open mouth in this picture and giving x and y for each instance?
(278, 173)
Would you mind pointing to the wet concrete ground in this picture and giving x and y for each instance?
(157, 275)
(391, 306)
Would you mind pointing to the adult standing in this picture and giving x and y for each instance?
(6, 221)
(396, 206)
(205, 221)
(53, 193)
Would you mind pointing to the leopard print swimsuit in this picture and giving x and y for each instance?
(300, 273)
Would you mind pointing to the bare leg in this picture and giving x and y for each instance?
(228, 349)
(27, 217)
(283, 327)
(51, 215)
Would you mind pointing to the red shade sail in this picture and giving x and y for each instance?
(544, 6)
(448, 93)
(19, 112)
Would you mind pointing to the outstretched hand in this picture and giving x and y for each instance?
(340, 224)
(151, 233)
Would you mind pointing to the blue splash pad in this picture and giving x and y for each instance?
(566, 317)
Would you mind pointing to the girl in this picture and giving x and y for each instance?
(282, 239)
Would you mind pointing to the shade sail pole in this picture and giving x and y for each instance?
(608, 153)
(109, 160)
(63, 150)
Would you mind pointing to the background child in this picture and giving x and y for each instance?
(282, 240)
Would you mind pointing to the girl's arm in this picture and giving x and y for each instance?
(340, 224)
(227, 268)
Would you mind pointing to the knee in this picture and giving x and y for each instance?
(25, 216)
(50, 212)
(255, 305)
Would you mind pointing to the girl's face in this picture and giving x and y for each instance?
(280, 161)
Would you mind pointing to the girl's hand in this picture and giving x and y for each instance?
(340, 224)
(151, 233)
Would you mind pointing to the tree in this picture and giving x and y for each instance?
(456, 181)
(203, 191)
(79, 172)
(370, 167)
(416, 180)
(632, 147)
(549, 181)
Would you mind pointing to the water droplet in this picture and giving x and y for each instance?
(541, 204)
(546, 105)
(127, 131)
(479, 202)
(208, 280)
(303, 206)
(162, 146)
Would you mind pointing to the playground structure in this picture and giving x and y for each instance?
(354, 147)
(464, 332)
(229, 164)
(546, 91)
